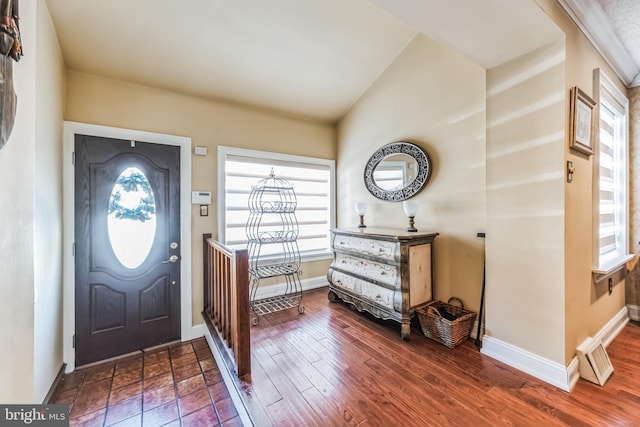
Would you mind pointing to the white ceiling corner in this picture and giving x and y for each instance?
(612, 27)
(489, 32)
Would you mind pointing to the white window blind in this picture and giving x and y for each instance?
(312, 180)
(390, 175)
(612, 176)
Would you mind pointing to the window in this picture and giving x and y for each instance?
(313, 182)
(131, 220)
(611, 176)
(390, 175)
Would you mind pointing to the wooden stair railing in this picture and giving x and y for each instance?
(226, 303)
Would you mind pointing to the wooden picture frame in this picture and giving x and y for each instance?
(581, 121)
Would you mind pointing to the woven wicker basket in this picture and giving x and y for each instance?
(450, 330)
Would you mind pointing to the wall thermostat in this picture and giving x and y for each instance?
(200, 197)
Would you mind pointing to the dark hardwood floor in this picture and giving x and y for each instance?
(333, 366)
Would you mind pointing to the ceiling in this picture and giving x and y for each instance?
(310, 59)
(613, 26)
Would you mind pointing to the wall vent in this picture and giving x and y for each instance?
(595, 365)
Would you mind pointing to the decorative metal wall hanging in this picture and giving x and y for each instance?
(10, 49)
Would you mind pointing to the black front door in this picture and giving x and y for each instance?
(127, 246)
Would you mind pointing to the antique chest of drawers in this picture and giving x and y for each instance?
(385, 272)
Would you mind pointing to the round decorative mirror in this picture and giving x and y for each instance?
(397, 171)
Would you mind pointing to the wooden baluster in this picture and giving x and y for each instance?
(226, 301)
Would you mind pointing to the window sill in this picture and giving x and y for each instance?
(316, 256)
(304, 257)
(603, 273)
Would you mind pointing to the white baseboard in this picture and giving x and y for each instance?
(280, 288)
(613, 327)
(197, 331)
(634, 312)
(563, 377)
(573, 372)
(544, 369)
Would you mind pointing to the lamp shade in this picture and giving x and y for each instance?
(361, 208)
(410, 207)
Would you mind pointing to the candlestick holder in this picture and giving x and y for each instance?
(410, 209)
(361, 209)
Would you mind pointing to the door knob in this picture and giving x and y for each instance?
(172, 258)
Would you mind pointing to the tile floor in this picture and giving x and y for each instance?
(175, 385)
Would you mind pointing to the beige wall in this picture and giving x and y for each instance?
(540, 296)
(435, 98)
(539, 227)
(48, 214)
(95, 100)
(632, 291)
(588, 307)
(525, 202)
(17, 210)
(30, 214)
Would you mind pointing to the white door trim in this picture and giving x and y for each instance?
(70, 130)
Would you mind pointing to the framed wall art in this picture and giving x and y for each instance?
(581, 122)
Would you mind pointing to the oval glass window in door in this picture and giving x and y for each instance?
(131, 221)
